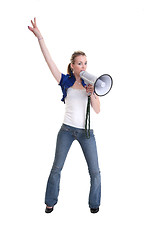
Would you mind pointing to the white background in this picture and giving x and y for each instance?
(31, 113)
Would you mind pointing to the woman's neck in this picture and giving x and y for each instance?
(78, 79)
(78, 83)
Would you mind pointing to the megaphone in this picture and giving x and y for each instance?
(102, 85)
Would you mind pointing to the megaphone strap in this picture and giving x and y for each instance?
(87, 121)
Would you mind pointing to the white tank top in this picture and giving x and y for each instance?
(75, 107)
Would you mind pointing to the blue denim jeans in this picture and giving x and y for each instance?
(66, 136)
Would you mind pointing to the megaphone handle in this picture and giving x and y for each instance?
(87, 121)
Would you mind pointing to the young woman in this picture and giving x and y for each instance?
(73, 127)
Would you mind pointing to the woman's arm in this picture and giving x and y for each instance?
(95, 103)
(52, 66)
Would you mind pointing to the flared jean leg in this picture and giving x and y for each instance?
(90, 152)
(64, 141)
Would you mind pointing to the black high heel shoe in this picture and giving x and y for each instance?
(94, 210)
(49, 210)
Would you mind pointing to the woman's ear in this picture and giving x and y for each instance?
(71, 66)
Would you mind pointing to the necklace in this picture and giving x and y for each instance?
(78, 82)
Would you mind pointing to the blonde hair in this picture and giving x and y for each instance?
(74, 55)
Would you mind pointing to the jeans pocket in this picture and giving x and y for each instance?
(65, 128)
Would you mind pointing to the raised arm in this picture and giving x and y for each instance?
(52, 66)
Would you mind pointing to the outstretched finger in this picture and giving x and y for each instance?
(35, 20)
(30, 28)
(33, 23)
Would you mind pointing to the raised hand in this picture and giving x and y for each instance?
(52, 66)
(35, 29)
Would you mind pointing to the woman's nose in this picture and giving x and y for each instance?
(83, 66)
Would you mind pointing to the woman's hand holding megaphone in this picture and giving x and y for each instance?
(90, 89)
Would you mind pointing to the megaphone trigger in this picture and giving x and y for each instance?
(89, 89)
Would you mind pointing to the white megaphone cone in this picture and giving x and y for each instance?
(102, 85)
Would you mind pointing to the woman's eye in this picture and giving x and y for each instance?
(81, 63)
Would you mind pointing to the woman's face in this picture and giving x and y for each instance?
(80, 64)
